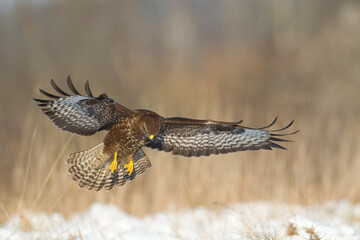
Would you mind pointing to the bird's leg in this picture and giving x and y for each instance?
(130, 165)
(113, 165)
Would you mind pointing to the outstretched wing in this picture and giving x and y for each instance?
(80, 114)
(189, 137)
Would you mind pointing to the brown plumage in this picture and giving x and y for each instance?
(130, 130)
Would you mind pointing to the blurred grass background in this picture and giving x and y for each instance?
(222, 60)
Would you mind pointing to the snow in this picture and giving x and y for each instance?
(257, 220)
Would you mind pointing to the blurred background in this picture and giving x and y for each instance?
(222, 60)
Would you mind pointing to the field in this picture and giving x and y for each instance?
(227, 60)
(254, 221)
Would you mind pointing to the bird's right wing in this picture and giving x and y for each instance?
(80, 114)
(191, 137)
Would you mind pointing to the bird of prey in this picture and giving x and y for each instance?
(119, 157)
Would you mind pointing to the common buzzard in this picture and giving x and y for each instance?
(119, 158)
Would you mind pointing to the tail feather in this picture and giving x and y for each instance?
(93, 178)
(89, 179)
(91, 168)
(141, 162)
(79, 157)
(96, 183)
(111, 180)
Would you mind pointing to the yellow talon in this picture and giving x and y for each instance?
(113, 165)
(130, 166)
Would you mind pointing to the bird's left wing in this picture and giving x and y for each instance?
(83, 115)
(189, 137)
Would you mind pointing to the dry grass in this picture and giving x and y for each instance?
(291, 230)
(267, 234)
(313, 235)
(236, 60)
(259, 236)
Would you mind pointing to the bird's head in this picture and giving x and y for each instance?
(150, 124)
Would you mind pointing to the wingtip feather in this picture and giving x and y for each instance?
(48, 94)
(71, 86)
(286, 127)
(87, 89)
(274, 145)
(53, 84)
(271, 124)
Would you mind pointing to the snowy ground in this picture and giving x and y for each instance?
(260, 220)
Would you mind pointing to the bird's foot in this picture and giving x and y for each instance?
(130, 166)
(113, 165)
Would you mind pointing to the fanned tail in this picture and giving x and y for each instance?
(91, 168)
